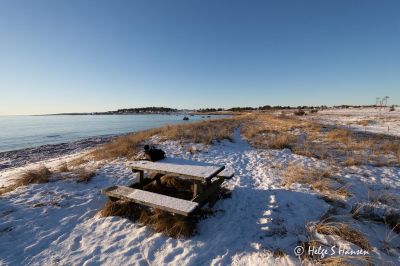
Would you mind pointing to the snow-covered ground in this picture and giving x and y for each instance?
(57, 222)
(375, 120)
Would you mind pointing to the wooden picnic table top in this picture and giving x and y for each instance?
(184, 168)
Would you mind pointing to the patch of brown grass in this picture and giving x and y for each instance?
(321, 180)
(34, 176)
(299, 112)
(202, 132)
(84, 175)
(351, 161)
(346, 261)
(365, 122)
(63, 168)
(198, 132)
(79, 161)
(172, 181)
(159, 221)
(121, 208)
(339, 135)
(281, 141)
(125, 146)
(344, 231)
(7, 189)
(388, 146)
(279, 253)
(308, 138)
(335, 261)
(171, 225)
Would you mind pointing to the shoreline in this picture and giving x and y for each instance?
(21, 157)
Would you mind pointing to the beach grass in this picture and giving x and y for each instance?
(308, 138)
(205, 132)
(37, 175)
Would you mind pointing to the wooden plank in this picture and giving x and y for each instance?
(184, 168)
(154, 200)
(226, 173)
(203, 197)
(197, 188)
(147, 181)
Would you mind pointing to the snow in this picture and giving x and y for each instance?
(179, 166)
(178, 205)
(57, 222)
(374, 120)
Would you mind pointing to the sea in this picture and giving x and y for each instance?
(20, 132)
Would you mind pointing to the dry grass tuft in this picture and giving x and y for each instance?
(346, 261)
(365, 122)
(204, 131)
(281, 141)
(159, 221)
(279, 253)
(34, 176)
(198, 132)
(299, 112)
(171, 225)
(393, 221)
(84, 175)
(63, 168)
(121, 208)
(4, 190)
(125, 146)
(79, 161)
(321, 180)
(339, 135)
(388, 146)
(344, 231)
(335, 261)
(350, 161)
(171, 181)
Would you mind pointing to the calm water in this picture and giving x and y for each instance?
(18, 132)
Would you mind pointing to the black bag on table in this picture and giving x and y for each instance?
(153, 154)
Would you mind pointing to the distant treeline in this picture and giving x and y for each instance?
(141, 110)
(275, 107)
(210, 110)
(160, 110)
(356, 106)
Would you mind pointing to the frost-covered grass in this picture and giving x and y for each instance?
(306, 137)
(373, 120)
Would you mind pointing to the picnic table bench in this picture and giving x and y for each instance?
(206, 178)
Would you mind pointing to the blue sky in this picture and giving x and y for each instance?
(77, 56)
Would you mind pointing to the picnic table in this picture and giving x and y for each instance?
(206, 179)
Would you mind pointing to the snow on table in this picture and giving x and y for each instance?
(184, 168)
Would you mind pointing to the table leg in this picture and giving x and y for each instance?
(141, 178)
(197, 188)
(209, 191)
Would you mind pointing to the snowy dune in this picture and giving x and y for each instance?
(374, 120)
(57, 222)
